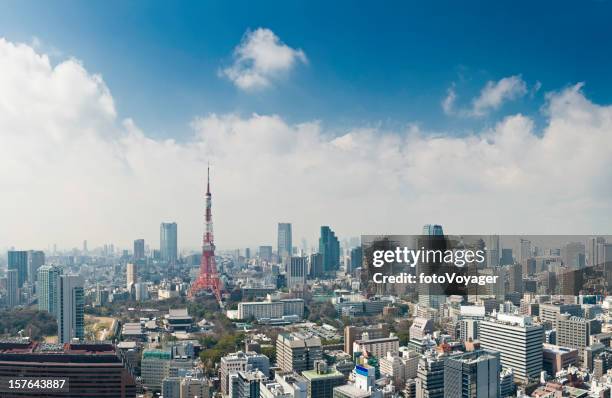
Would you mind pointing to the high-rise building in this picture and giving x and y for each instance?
(519, 342)
(506, 257)
(329, 247)
(139, 249)
(265, 253)
(377, 347)
(525, 250)
(593, 250)
(432, 230)
(472, 375)
(131, 274)
(70, 309)
(316, 266)
(48, 288)
(356, 258)
(549, 312)
(573, 254)
(168, 242)
(297, 269)
(12, 288)
(430, 376)
(248, 384)
(284, 240)
(18, 260)
(493, 254)
(297, 352)
(36, 259)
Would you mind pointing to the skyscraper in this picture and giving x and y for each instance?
(12, 288)
(70, 309)
(139, 249)
(48, 288)
(168, 242)
(131, 275)
(36, 258)
(472, 375)
(493, 254)
(329, 247)
(297, 269)
(284, 240)
(18, 260)
(432, 230)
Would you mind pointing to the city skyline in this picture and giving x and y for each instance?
(534, 152)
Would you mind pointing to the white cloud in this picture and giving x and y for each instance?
(491, 97)
(494, 94)
(448, 103)
(70, 170)
(260, 58)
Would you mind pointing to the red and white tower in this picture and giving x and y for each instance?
(208, 279)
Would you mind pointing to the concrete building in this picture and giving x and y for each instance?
(70, 309)
(241, 361)
(270, 309)
(321, 380)
(377, 347)
(555, 358)
(575, 332)
(549, 312)
(472, 375)
(297, 352)
(519, 342)
(430, 377)
(352, 333)
(284, 385)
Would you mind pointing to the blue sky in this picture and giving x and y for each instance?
(368, 65)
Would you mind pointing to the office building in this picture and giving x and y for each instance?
(432, 230)
(18, 260)
(139, 250)
(575, 332)
(70, 309)
(472, 375)
(356, 258)
(93, 370)
(247, 384)
(192, 387)
(48, 288)
(271, 309)
(316, 266)
(573, 254)
(154, 367)
(556, 358)
(265, 253)
(493, 254)
(519, 342)
(297, 352)
(284, 385)
(321, 380)
(131, 274)
(36, 259)
(430, 376)
(549, 313)
(352, 333)
(240, 361)
(284, 246)
(377, 347)
(12, 288)
(329, 247)
(168, 242)
(297, 270)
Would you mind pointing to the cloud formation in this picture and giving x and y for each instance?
(260, 58)
(491, 97)
(70, 170)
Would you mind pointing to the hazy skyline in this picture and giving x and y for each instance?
(75, 166)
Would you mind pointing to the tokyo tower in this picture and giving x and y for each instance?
(208, 279)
